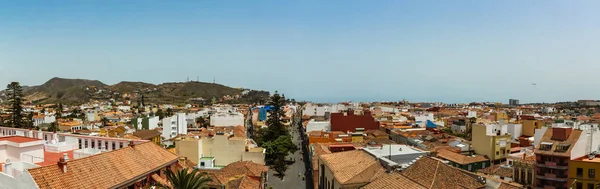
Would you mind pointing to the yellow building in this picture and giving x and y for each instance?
(152, 135)
(501, 116)
(492, 141)
(224, 148)
(582, 172)
(529, 126)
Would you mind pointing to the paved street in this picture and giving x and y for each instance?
(291, 179)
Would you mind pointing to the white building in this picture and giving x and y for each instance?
(230, 119)
(318, 126)
(421, 119)
(19, 148)
(515, 131)
(124, 108)
(43, 119)
(458, 128)
(395, 155)
(173, 126)
(471, 114)
(14, 175)
(315, 110)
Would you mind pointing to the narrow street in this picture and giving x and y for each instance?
(292, 179)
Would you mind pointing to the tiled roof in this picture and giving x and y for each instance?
(105, 170)
(393, 181)
(354, 166)
(245, 168)
(146, 134)
(242, 175)
(547, 137)
(497, 169)
(432, 174)
(459, 158)
(243, 182)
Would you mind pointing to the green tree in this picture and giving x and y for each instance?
(14, 92)
(169, 112)
(185, 179)
(276, 127)
(277, 150)
(275, 138)
(53, 127)
(104, 121)
(160, 114)
(59, 110)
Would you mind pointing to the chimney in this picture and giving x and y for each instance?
(561, 134)
(62, 162)
(131, 144)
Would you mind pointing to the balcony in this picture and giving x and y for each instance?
(553, 177)
(553, 165)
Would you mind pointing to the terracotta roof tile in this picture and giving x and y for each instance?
(146, 134)
(432, 173)
(459, 158)
(497, 169)
(353, 166)
(107, 169)
(393, 181)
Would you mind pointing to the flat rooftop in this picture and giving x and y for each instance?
(397, 149)
(18, 139)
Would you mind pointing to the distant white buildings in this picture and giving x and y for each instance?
(43, 119)
(318, 126)
(173, 126)
(421, 119)
(230, 119)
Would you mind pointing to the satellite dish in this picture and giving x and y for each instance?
(7, 161)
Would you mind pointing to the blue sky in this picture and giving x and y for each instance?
(452, 51)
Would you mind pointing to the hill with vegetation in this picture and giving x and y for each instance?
(79, 91)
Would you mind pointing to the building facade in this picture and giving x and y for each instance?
(492, 141)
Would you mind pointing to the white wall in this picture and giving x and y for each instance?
(537, 136)
(175, 123)
(153, 122)
(318, 126)
(515, 130)
(227, 120)
(459, 128)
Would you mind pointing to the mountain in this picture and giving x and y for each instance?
(78, 91)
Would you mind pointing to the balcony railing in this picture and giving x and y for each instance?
(552, 165)
(553, 177)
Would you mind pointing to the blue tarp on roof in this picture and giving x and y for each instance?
(430, 124)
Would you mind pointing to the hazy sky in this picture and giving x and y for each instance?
(452, 51)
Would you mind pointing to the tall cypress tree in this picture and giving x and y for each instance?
(15, 99)
(276, 128)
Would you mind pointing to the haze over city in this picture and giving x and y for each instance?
(451, 51)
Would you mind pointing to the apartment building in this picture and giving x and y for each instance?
(582, 172)
(223, 147)
(229, 119)
(492, 141)
(558, 147)
(174, 125)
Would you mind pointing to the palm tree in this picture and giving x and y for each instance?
(185, 179)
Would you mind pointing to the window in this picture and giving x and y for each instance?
(592, 173)
(202, 164)
(113, 146)
(470, 167)
(562, 147)
(483, 165)
(85, 144)
(580, 172)
(545, 146)
(497, 153)
(579, 185)
(80, 143)
(94, 144)
(120, 144)
(591, 186)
